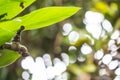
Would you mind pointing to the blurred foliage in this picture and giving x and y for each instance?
(50, 39)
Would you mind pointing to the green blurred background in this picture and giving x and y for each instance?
(50, 39)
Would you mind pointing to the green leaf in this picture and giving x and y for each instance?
(40, 18)
(12, 25)
(5, 36)
(37, 19)
(47, 16)
(7, 57)
(11, 8)
(8, 30)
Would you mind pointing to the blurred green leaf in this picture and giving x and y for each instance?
(11, 8)
(12, 25)
(40, 18)
(47, 16)
(5, 36)
(7, 57)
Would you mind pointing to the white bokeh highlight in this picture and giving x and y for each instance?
(47, 60)
(72, 48)
(65, 58)
(110, 43)
(115, 35)
(107, 59)
(117, 78)
(117, 71)
(96, 24)
(107, 26)
(93, 17)
(94, 29)
(86, 49)
(102, 72)
(43, 68)
(27, 62)
(81, 59)
(67, 27)
(73, 37)
(50, 72)
(113, 64)
(99, 54)
(118, 40)
(25, 75)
